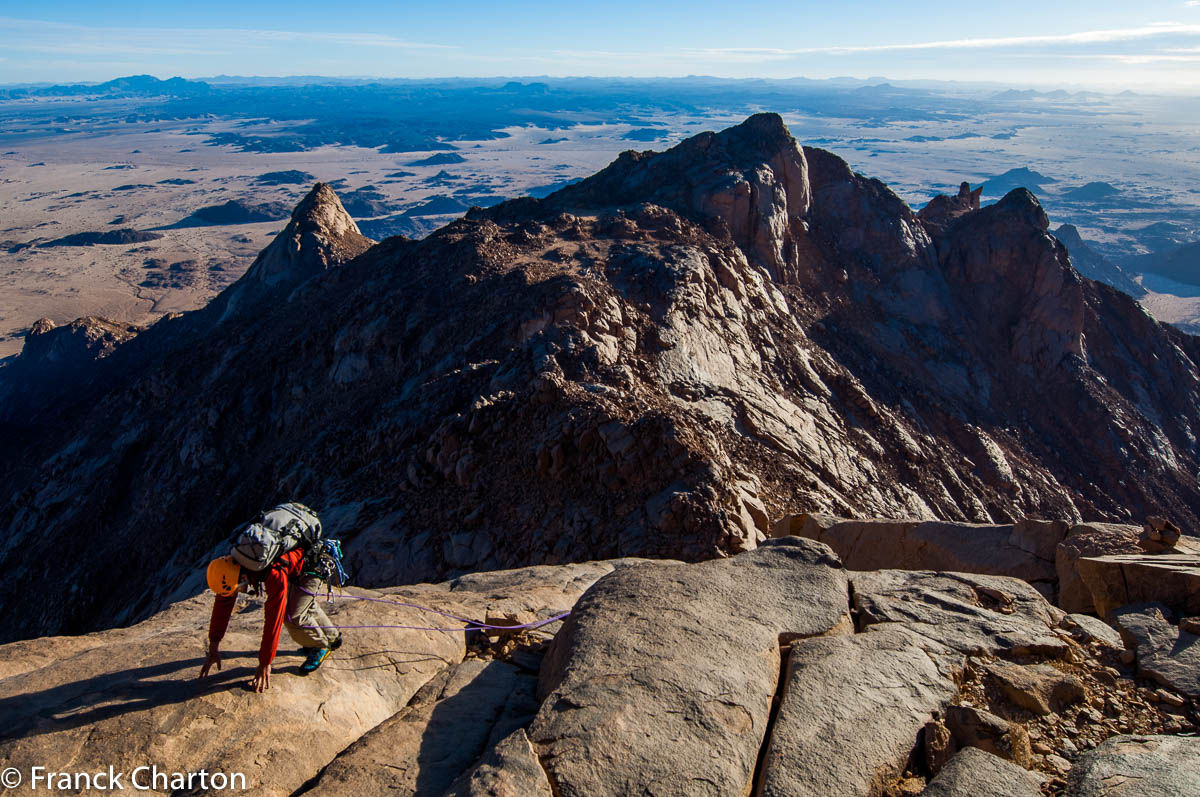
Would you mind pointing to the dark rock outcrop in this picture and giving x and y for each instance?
(233, 211)
(1179, 263)
(49, 346)
(105, 238)
(943, 209)
(57, 359)
(286, 177)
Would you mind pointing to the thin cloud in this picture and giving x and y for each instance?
(1132, 59)
(1081, 38)
(60, 38)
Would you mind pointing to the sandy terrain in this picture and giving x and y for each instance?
(73, 192)
(55, 182)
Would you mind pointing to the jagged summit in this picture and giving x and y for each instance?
(321, 235)
(943, 209)
(49, 345)
(749, 181)
(1023, 207)
(655, 362)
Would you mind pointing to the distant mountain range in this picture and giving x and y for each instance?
(132, 86)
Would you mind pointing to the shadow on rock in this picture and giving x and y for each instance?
(78, 703)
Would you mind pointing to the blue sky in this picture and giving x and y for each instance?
(1150, 44)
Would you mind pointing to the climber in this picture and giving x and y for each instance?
(289, 603)
(285, 552)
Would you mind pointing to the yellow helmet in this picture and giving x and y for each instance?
(223, 575)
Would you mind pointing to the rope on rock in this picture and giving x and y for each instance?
(471, 625)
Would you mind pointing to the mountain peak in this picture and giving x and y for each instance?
(321, 235)
(1069, 235)
(749, 181)
(766, 128)
(1021, 204)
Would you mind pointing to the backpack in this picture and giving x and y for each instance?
(286, 527)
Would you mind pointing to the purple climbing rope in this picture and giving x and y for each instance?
(471, 625)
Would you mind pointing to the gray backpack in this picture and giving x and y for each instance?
(286, 527)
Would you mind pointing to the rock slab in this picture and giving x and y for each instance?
(853, 708)
(441, 734)
(510, 769)
(134, 698)
(1120, 579)
(1088, 539)
(1138, 766)
(661, 680)
(978, 774)
(959, 610)
(1024, 550)
(1164, 652)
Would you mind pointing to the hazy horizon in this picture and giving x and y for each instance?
(1097, 46)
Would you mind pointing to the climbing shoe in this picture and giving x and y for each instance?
(337, 643)
(313, 660)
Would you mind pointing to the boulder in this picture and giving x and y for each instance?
(667, 671)
(1164, 653)
(1145, 766)
(852, 711)
(510, 769)
(1024, 550)
(1159, 535)
(1039, 688)
(980, 774)
(972, 727)
(1088, 539)
(1090, 629)
(450, 723)
(1117, 580)
(956, 610)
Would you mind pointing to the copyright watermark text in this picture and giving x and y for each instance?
(143, 778)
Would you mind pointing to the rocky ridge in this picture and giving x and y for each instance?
(654, 362)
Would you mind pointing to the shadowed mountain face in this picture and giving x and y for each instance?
(651, 362)
(1179, 263)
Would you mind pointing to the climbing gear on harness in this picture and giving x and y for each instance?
(223, 575)
(286, 527)
(328, 564)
